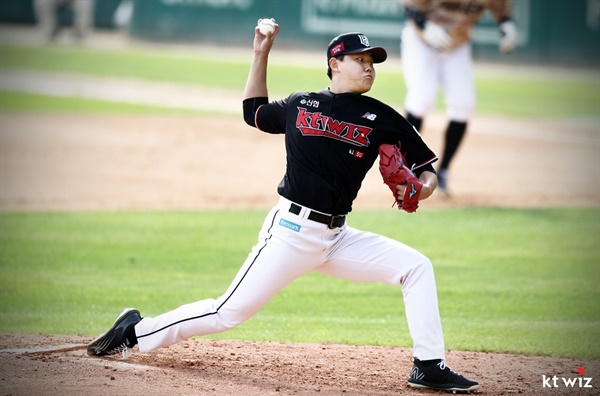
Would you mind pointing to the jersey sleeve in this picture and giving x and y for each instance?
(250, 107)
(266, 116)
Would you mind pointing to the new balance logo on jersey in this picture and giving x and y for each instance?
(369, 116)
(317, 124)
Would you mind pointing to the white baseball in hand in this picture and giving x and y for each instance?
(266, 26)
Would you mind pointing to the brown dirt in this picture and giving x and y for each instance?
(97, 162)
(58, 365)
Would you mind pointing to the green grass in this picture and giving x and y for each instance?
(551, 96)
(149, 65)
(540, 97)
(523, 281)
(20, 101)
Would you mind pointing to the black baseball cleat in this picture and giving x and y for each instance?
(434, 374)
(119, 338)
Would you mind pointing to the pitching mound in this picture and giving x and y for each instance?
(59, 365)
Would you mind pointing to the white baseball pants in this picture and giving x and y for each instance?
(290, 245)
(426, 70)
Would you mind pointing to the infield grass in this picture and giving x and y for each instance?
(522, 281)
(544, 95)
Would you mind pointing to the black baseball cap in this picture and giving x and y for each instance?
(354, 43)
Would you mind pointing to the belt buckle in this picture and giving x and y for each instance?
(334, 220)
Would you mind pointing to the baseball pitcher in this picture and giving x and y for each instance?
(332, 138)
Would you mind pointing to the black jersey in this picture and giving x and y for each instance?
(332, 141)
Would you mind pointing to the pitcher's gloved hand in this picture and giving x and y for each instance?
(394, 170)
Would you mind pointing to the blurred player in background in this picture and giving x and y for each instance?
(436, 53)
(46, 13)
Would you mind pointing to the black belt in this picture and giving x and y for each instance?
(331, 221)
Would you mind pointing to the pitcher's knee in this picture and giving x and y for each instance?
(231, 318)
(422, 271)
(425, 265)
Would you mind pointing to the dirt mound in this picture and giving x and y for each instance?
(58, 365)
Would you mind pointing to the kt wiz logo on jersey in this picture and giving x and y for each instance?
(317, 124)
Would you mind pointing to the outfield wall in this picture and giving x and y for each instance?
(561, 32)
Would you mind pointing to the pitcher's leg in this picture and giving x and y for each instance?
(366, 257)
(273, 263)
(422, 311)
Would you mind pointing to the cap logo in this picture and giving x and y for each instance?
(337, 49)
(364, 40)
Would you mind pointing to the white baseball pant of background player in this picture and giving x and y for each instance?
(427, 69)
(282, 254)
